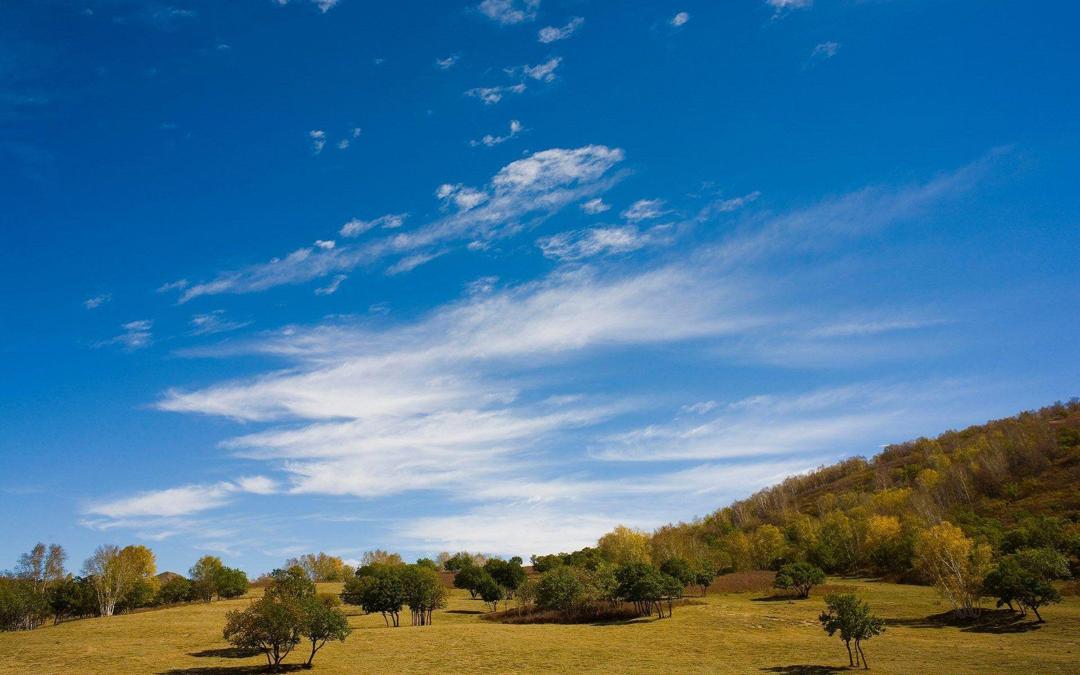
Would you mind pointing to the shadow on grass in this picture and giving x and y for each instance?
(227, 653)
(805, 670)
(234, 670)
(465, 611)
(999, 621)
(778, 597)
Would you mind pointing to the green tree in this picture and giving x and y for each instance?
(680, 569)
(851, 618)
(270, 624)
(560, 589)
(469, 578)
(424, 593)
(491, 592)
(382, 593)
(507, 573)
(799, 577)
(176, 589)
(322, 623)
(205, 574)
(231, 582)
(292, 583)
(1025, 578)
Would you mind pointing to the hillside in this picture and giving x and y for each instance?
(1010, 483)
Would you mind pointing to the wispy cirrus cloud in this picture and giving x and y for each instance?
(180, 501)
(490, 140)
(549, 34)
(480, 391)
(97, 300)
(509, 12)
(535, 186)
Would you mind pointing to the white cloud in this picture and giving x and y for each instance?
(594, 206)
(644, 209)
(323, 5)
(825, 50)
(356, 227)
(490, 140)
(680, 19)
(544, 72)
(536, 186)
(448, 62)
(214, 322)
(331, 287)
(580, 244)
(508, 12)
(550, 34)
(783, 6)
(136, 335)
(701, 407)
(492, 95)
(180, 501)
(817, 421)
(177, 285)
(97, 301)
(318, 140)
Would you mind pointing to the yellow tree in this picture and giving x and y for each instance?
(625, 545)
(766, 546)
(955, 564)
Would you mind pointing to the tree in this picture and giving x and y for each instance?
(766, 546)
(799, 577)
(680, 569)
(507, 573)
(205, 574)
(647, 587)
(624, 545)
(231, 582)
(292, 583)
(491, 592)
(382, 592)
(31, 567)
(851, 618)
(270, 624)
(704, 574)
(115, 571)
(1025, 578)
(321, 624)
(955, 564)
(380, 557)
(73, 596)
(469, 578)
(428, 563)
(424, 593)
(560, 589)
(461, 560)
(177, 589)
(323, 567)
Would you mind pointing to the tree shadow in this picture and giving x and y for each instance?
(997, 621)
(466, 611)
(233, 670)
(227, 653)
(805, 670)
(778, 597)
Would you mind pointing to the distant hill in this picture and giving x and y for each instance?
(1012, 483)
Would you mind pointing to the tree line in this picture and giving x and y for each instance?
(112, 580)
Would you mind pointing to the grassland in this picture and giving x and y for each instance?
(729, 632)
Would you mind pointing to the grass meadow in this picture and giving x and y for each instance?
(743, 629)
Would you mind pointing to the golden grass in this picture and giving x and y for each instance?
(737, 632)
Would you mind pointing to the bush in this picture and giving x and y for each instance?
(799, 577)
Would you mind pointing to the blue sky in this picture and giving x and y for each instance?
(312, 275)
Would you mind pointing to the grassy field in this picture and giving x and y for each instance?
(728, 632)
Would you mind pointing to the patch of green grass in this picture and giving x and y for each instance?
(736, 632)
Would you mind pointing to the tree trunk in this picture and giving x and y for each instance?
(850, 661)
(1036, 610)
(858, 646)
